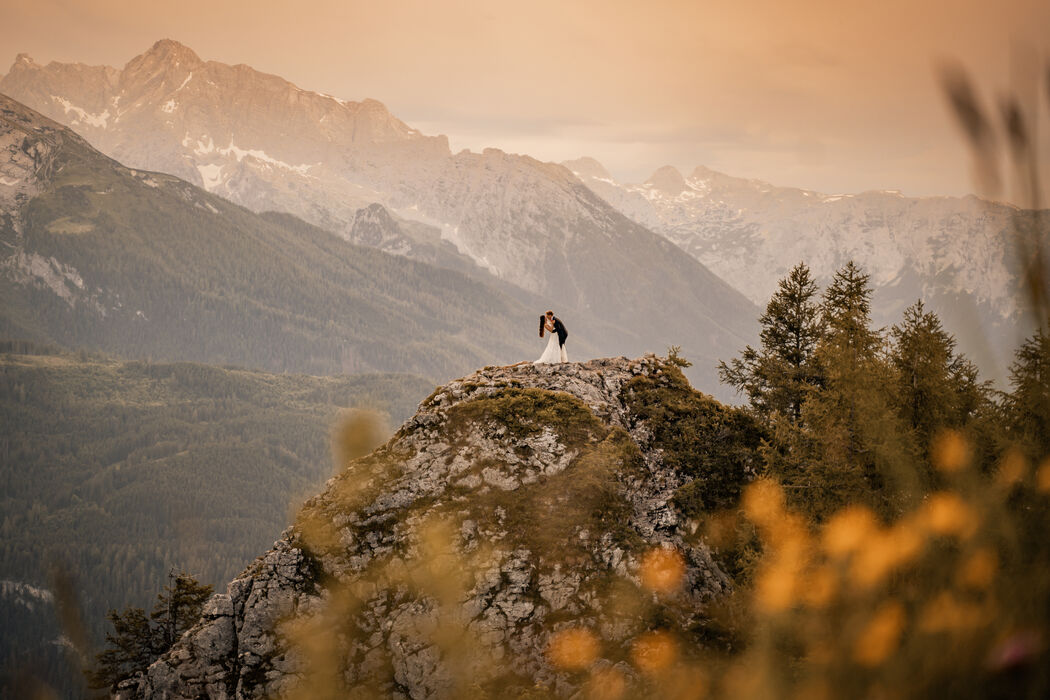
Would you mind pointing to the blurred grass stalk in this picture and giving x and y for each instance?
(1017, 126)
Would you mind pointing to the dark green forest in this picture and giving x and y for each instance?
(114, 472)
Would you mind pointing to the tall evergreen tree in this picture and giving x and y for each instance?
(846, 311)
(776, 378)
(1027, 407)
(850, 445)
(935, 387)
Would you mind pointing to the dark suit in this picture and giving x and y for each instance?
(559, 328)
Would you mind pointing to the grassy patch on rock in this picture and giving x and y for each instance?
(558, 515)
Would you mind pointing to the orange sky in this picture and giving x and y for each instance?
(834, 96)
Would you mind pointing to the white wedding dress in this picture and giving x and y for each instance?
(552, 353)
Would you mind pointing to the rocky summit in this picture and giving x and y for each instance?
(517, 535)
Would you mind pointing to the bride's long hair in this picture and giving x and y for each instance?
(543, 324)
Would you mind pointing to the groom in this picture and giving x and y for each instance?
(559, 328)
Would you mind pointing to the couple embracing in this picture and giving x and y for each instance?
(555, 351)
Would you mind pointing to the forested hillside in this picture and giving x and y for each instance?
(116, 472)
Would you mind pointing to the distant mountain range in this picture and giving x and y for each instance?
(94, 254)
(266, 144)
(956, 253)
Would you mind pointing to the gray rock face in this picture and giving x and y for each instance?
(436, 564)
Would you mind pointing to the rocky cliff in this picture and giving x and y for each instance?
(523, 530)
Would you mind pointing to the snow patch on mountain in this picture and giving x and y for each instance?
(83, 116)
(241, 153)
(211, 176)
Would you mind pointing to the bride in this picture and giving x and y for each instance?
(552, 353)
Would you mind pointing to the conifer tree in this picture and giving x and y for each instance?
(177, 608)
(850, 445)
(137, 641)
(130, 649)
(776, 378)
(935, 388)
(1027, 407)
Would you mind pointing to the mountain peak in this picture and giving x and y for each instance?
(668, 179)
(587, 167)
(171, 50)
(23, 61)
(702, 171)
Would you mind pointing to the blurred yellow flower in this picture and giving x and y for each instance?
(1012, 468)
(821, 651)
(946, 613)
(777, 582)
(951, 451)
(945, 513)
(662, 570)
(317, 531)
(1042, 477)
(886, 550)
(880, 637)
(743, 680)
(775, 587)
(847, 530)
(572, 649)
(763, 502)
(654, 652)
(606, 684)
(789, 532)
(978, 571)
(820, 586)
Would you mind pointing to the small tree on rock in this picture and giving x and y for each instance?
(137, 641)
